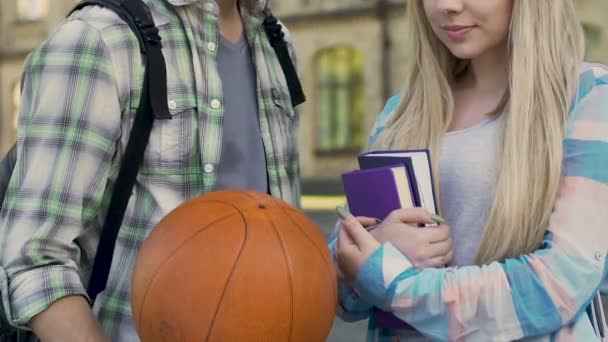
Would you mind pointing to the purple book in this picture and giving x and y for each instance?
(376, 192)
(420, 165)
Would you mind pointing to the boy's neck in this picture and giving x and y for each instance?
(231, 25)
(228, 8)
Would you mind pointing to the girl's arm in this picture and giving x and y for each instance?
(351, 307)
(532, 295)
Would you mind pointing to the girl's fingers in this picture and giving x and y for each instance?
(358, 234)
(441, 248)
(436, 234)
(344, 239)
(367, 221)
(437, 262)
(410, 216)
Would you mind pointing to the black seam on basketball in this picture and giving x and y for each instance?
(289, 278)
(219, 304)
(155, 274)
(306, 235)
(311, 241)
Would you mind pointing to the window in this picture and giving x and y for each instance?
(32, 10)
(340, 100)
(16, 100)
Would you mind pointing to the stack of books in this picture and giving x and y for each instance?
(386, 181)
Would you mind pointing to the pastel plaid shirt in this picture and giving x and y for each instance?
(80, 92)
(541, 296)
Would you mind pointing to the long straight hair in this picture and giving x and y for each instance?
(545, 50)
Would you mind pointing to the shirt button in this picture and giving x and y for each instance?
(209, 168)
(215, 104)
(599, 256)
(172, 104)
(211, 46)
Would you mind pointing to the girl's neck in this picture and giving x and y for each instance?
(478, 93)
(488, 72)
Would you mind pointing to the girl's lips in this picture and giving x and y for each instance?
(457, 32)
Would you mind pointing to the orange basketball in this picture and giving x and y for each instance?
(234, 266)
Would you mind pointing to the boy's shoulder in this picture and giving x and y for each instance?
(102, 18)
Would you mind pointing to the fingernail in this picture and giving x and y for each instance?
(438, 218)
(343, 212)
(378, 221)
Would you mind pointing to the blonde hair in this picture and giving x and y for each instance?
(545, 49)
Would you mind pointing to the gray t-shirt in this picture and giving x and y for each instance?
(468, 174)
(243, 161)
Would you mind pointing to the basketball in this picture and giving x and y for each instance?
(234, 266)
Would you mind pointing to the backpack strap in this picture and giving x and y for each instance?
(6, 170)
(276, 36)
(137, 15)
(152, 105)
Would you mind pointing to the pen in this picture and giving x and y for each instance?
(343, 213)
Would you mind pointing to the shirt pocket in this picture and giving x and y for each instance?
(171, 146)
(282, 103)
(178, 134)
(284, 128)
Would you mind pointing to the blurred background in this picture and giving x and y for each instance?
(350, 55)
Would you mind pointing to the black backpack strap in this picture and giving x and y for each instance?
(152, 105)
(6, 170)
(276, 36)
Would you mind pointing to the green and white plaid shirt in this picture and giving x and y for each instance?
(80, 92)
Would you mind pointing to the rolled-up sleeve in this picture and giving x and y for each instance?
(68, 130)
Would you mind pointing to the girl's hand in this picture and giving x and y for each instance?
(368, 223)
(424, 247)
(355, 245)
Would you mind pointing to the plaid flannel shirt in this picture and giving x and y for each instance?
(80, 93)
(540, 296)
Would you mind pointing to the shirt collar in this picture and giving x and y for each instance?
(254, 6)
(253, 11)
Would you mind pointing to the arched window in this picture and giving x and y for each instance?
(340, 100)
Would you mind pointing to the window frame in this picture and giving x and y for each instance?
(353, 85)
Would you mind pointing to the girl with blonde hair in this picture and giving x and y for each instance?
(517, 127)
